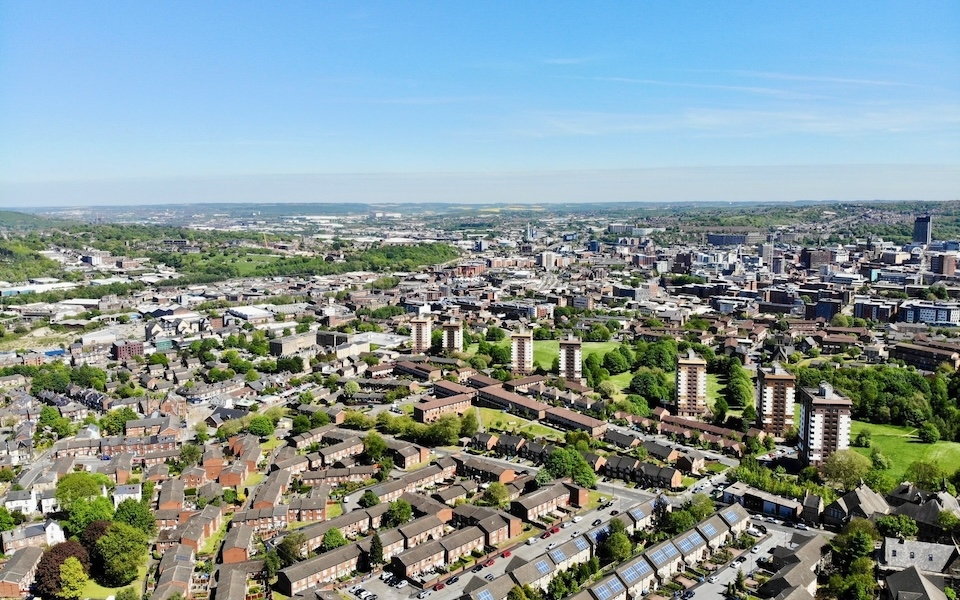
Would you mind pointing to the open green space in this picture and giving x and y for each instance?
(334, 510)
(596, 499)
(95, 591)
(901, 446)
(247, 265)
(213, 542)
(493, 418)
(254, 479)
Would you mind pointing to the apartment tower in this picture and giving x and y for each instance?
(453, 337)
(571, 359)
(521, 352)
(776, 392)
(420, 334)
(691, 385)
(824, 423)
(923, 230)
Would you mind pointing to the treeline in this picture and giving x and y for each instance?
(894, 395)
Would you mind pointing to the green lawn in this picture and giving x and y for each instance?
(490, 416)
(713, 388)
(334, 510)
(249, 263)
(596, 499)
(95, 590)
(213, 542)
(544, 351)
(901, 446)
(254, 479)
(271, 444)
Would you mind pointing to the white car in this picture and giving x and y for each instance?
(577, 519)
(423, 594)
(713, 579)
(403, 583)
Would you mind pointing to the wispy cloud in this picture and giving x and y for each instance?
(737, 123)
(430, 100)
(818, 78)
(764, 91)
(570, 61)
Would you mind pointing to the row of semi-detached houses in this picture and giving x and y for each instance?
(634, 578)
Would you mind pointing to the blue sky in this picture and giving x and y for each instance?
(106, 102)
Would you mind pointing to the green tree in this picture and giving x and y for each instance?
(400, 512)
(351, 388)
(76, 486)
(121, 552)
(332, 539)
(368, 499)
(114, 422)
(136, 514)
(261, 426)
(128, 593)
(301, 424)
(290, 549)
(73, 579)
(496, 494)
(925, 475)
(896, 526)
(83, 512)
(374, 446)
(190, 454)
(47, 580)
(846, 468)
(271, 564)
(376, 549)
(469, 424)
(616, 548)
(700, 506)
(928, 433)
(516, 593)
(678, 521)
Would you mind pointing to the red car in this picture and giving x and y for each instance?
(555, 530)
(506, 554)
(545, 535)
(489, 563)
(438, 587)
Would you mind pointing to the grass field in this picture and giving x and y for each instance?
(271, 444)
(249, 263)
(901, 446)
(490, 416)
(94, 590)
(254, 479)
(334, 510)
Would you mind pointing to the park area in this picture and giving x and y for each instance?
(902, 447)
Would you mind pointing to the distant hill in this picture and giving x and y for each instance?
(17, 220)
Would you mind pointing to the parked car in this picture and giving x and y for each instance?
(532, 541)
(555, 530)
(802, 526)
(490, 562)
(423, 594)
(687, 594)
(577, 519)
(453, 580)
(545, 535)
(488, 576)
(614, 512)
(506, 554)
(713, 579)
(476, 569)
(596, 522)
(551, 545)
(566, 524)
(438, 587)
(755, 550)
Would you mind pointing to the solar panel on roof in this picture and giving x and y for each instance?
(485, 595)
(581, 543)
(731, 516)
(558, 555)
(615, 585)
(543, 567)
(709, 529)
(638, 513)
(602, 592)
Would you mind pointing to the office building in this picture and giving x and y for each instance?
(923, 230)
(944, 264)
(453, 337)
(776, 391)
(571, 359)
(420, 334)
(824, 423)
(521, 352)
(691, 385)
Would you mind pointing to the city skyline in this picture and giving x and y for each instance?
(483, 103)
